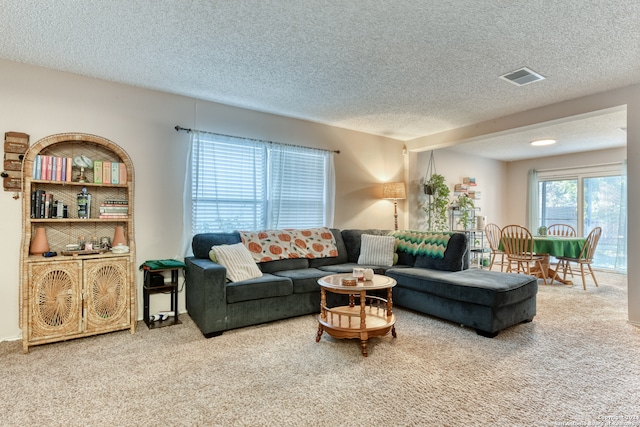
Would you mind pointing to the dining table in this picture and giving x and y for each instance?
(556, 246)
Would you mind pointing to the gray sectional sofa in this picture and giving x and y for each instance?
(446, 288)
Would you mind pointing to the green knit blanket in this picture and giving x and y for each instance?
(430, 243)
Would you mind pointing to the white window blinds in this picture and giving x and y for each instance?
(240, 184)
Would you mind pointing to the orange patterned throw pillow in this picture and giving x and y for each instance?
(271, 245)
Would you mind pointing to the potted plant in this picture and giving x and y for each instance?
(466, 206)
(437, 202)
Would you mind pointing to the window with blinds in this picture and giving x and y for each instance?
(240, 184)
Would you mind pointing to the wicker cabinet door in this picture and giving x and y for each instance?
(107, 294)
(56, 300)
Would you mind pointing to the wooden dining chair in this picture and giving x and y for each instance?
(493, 234)
(585, 257)
(518, 247)
(562, 230)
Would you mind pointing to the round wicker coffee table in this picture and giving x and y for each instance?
(372, 316)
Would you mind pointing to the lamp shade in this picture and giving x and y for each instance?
(393, 190)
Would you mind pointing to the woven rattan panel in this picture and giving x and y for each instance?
(107, 301)
(55, 295)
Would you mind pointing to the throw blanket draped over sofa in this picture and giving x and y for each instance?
(431, 271)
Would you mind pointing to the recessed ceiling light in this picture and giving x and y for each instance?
(539, 142)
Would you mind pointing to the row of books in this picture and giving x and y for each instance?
(114, 209)
(43, 205)
(52, 168)
(105, 172)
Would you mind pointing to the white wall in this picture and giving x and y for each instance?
(41, 102)
(491, 177)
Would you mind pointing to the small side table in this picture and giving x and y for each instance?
(171, 286)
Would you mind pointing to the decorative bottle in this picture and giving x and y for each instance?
(84, 207)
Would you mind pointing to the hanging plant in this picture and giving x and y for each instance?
(429, 189)
(437, 203)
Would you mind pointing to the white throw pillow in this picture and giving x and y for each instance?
(377, 250)
(238, 261)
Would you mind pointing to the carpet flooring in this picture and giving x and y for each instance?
(577, 363)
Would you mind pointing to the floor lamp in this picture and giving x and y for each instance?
(394, 191)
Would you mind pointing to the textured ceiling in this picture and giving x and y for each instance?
(402, 69)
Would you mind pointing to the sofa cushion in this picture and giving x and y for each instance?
(201, 243)
(284, 264)
(455, 258)
(303, 280)
(405, 259)
(483, 287)
(377, 250)
(238, 261)
(264, 287)
(353, 238)
(342, 253)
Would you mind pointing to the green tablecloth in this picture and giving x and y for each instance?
(569, 247)
(557, 246)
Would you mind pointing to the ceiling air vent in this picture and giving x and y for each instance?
(522, 76)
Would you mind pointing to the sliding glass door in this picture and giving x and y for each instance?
(603, 202)
(586, 198)
(559, 202)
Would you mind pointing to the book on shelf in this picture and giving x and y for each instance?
(43, 199)
(50, 173)
(69, 169)
(123, 173)
(45, 167)
(37, 167)
(115, 173)
(59, 163)
(106, 172)
(114, 210)
(47, 205)
(97, 171)
(34, 203)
